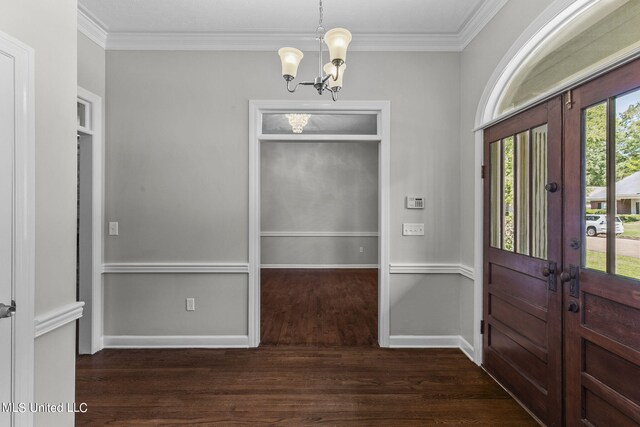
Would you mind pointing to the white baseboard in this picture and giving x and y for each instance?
(54, 319)
(177, 341)
(432, 341)
(312, 266)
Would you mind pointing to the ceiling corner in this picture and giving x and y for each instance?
(479, 20)
(92, 28)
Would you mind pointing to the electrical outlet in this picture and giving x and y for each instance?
(409, 229)
(361, 249)
(191, 304)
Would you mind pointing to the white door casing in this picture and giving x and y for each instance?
(91, 236)
(7, 122)
(383, 138)
(17, 243)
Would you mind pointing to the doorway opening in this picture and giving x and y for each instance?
(319, 242)
(89, 221)
(351, 124)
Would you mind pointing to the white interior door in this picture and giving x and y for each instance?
(7, 138)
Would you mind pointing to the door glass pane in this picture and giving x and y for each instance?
(627, 189)
(496, 194)
(595, 183)
(538, 192)
(522, 192)
(507, 185)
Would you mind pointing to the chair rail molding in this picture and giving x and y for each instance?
(463, 270)
(57, 318)
(186, 268)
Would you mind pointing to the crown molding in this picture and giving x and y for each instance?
(97, 31)
(271, 42)
(479, 20)
(91, 27)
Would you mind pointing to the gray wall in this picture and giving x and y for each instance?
(319, 187)
(50, 28)
(478, 61)
(177, 150)
(91, 66)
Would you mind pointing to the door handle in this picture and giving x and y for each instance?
(7, 310)
(551, 187)
(572, 276)
(549, 271)
(573, 307)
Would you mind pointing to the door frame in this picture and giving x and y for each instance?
(556, 16)
(383, 138)
(24, 225)
(94, 342)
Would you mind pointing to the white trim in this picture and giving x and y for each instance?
(97, 213)
(556, 15)
(432, 341)
(24, 224)
(54, 319)
(461, 269)
(268, 41)
(488, 9)
(256, 109)
(91, 27)
(467, 349)
(319, 234)
(176, 341)
(318, 266)
(132, 268)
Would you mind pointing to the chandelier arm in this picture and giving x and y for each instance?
(334, 95)
(296, 86)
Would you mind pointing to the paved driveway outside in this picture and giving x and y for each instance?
(625, 247)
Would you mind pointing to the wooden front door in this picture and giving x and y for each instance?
(601, 276)
(522, 257)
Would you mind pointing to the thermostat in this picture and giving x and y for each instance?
(415, 202)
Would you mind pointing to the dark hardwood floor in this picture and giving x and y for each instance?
(334, 375)
(335, 307)
(290, 386)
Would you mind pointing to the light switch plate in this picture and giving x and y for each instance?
(412, 229)
(191, 304)
(113, 229)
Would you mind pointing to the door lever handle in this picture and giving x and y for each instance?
(549, 271)
(7, 310)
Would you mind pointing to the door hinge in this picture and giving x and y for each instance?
(482, 327)
(482, 172)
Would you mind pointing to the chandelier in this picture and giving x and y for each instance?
(330, 74)
(298, 121)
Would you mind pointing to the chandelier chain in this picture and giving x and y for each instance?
(320, 30)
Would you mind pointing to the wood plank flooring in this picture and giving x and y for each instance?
(290, 386)
(334, 375)
(335, 307)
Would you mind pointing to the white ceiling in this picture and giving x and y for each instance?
(371, 21)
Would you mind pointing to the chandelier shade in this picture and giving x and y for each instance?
(336, 77)
(290, 57)
(338, 40)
